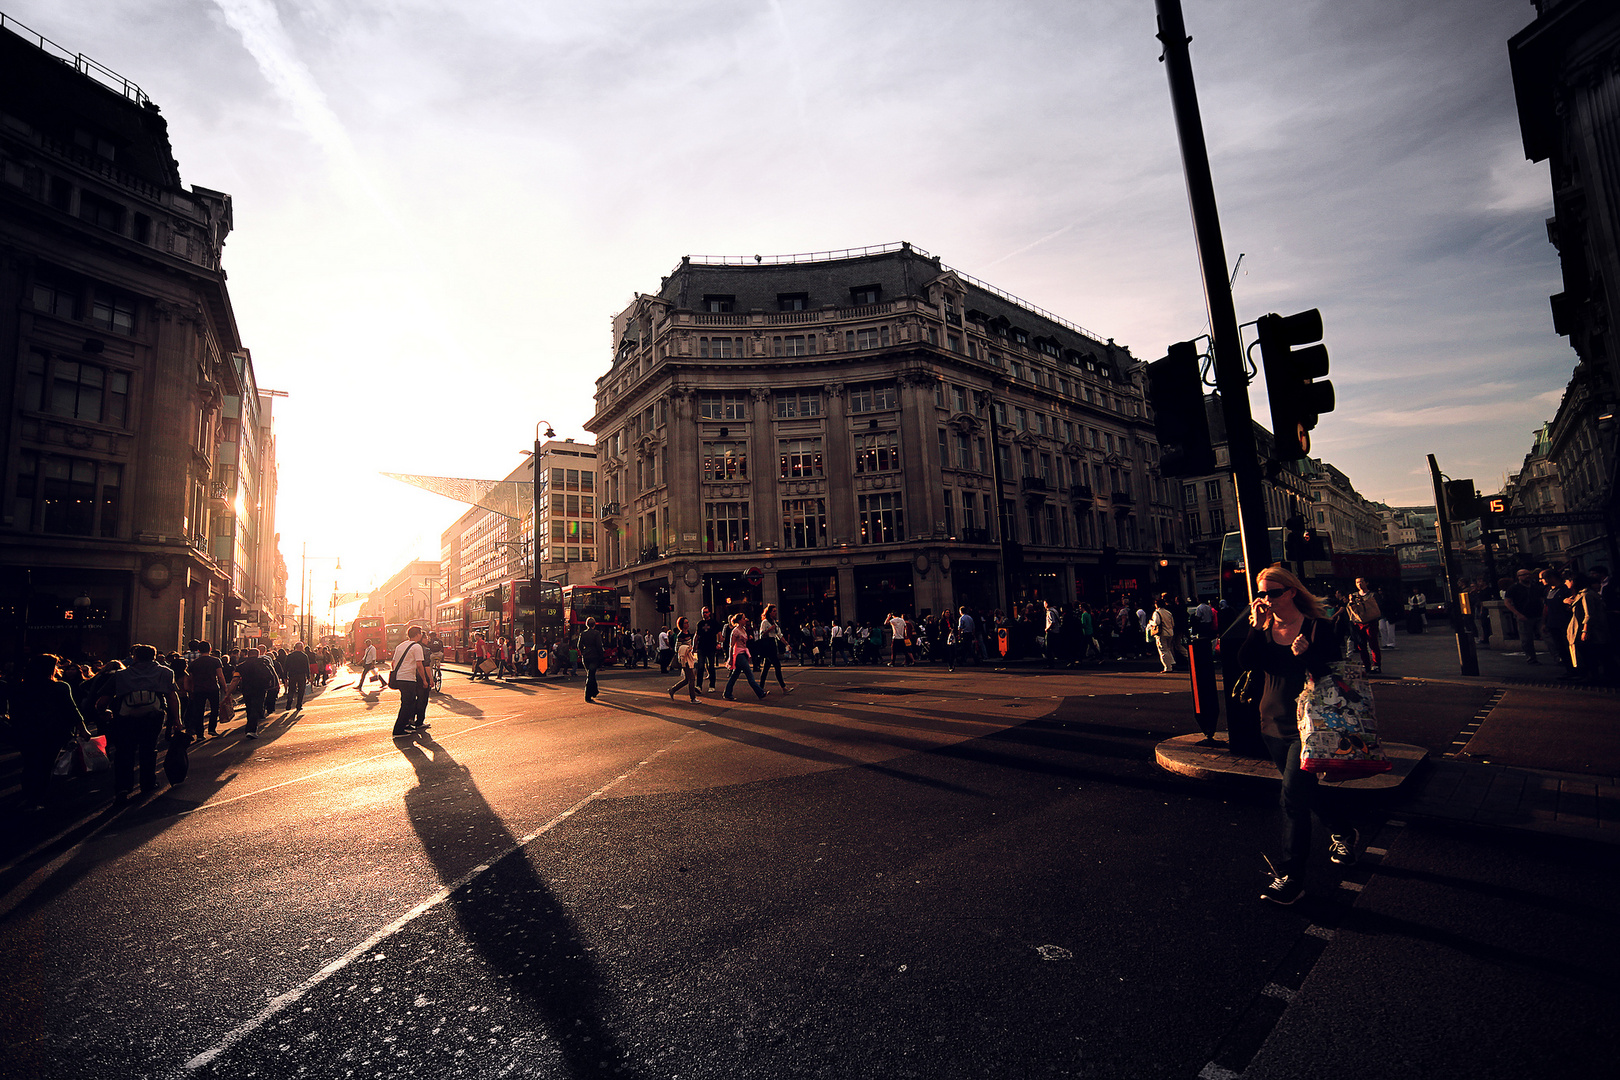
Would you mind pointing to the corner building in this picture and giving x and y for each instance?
(871, 431)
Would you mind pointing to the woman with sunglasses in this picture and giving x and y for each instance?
(1290, 636)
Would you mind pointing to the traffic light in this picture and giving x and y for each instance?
(1295, 540)
(233, 609)
(1296, 400)
(1176, 392)
(1462, 501)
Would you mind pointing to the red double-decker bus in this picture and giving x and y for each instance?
(366, 630)
(452, 623)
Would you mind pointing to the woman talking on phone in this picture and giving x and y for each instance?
(1291, 636)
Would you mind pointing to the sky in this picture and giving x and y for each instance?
(441, 204)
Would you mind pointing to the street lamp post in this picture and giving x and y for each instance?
(534, 551)
(304, 560)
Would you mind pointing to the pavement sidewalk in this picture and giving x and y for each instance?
(1542, 758)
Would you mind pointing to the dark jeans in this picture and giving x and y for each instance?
(710, 662)
(366, 671)
(132, 739)
(253, 701)
(295, 692)
(413, 699)
(1300, 795)
(769, 658)
(591, 689)
(741, 666)
(689, 681)
(1529, 630)
(201, 707)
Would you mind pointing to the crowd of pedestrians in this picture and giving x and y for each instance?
(63, 715)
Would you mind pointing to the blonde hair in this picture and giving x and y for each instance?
(1308, 603)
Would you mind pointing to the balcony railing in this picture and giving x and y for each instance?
(1080, 493)
(975, 536)
(1122, 498)
(1035, 483)
(648, 554)
(610, 510)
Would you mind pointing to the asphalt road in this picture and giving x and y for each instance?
(889, 872)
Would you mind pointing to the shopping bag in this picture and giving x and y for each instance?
(64, 761)
(486, 666)
(1338, 731)
(92, 755)
(177, 762)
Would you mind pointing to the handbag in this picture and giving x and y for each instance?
(177, 763)
(85, 755)
(1338, 729)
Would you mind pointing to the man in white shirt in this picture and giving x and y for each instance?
(666, 651)
(966, 632)
(835, 641)
(897, 640)
(368, 667)
(411, 679)
(1051, 633)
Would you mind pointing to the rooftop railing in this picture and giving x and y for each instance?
(102, 74)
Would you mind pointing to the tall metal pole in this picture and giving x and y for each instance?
(1466, 656)
(1231, 378)
(303, 585)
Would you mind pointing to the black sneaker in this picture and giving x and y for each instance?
(1283, 890)
(1342, 848)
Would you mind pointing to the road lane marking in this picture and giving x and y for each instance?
(280, 1003)
(335, 768)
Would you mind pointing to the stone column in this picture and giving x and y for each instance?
(840, 469)
(922, 479)
(765, 510)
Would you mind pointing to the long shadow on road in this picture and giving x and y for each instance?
(520, 930)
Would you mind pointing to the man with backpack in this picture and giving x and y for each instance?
(144, 699)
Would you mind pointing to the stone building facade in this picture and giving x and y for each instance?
(871, 431)
(1566, 79)
(136, 464)
(1339, 511)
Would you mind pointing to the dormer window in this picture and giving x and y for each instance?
(865, 294)
(797, 301)
(719, 303)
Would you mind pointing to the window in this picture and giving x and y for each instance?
(865, 294)
(794, 345)
(953, 342)
(964, 451)
(1040, 423)
(804, 523)
(882, 519)
(939, 394)
(1049, 347)
(571, 508)
(1189, 494)
(1212, 489)
(801, 458)
(56, 294)
(726, 526)
(959, 399)
(72, 496)
(719, 303)
(112, 311)
(872, 397)
(1217, 520)
(877, 451)
(1027, 460)
(725, 460)
(797, 301)
(1193, 527)
(797, 404)
(1032, 521)
(102, 212)
(870, 337)
(573, 479)
(970, 510)
(720, 348)
(950, 512)
(723, 406)
(75, 389)
(587, 480)
(1020, 419)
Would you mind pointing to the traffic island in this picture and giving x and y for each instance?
(1207, 759)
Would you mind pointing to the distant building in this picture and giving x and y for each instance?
(137, 462)
(1566, 77)
(1339, 511)
(1538, 489)
(409, 596)
(1209, 503)
(874, 432)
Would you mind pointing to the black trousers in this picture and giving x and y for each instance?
(413, 699)
(135, 742)
(591, 689)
